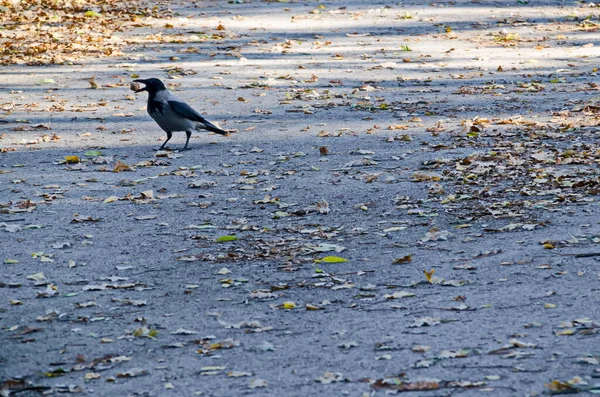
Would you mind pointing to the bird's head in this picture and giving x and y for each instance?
(151, 85)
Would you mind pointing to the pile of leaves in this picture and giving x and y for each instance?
(39, 32)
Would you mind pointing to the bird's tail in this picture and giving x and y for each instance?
(207, 125)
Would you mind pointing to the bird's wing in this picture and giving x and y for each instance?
(186, 111)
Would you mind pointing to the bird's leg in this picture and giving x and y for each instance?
(169, 135)
(188, 134)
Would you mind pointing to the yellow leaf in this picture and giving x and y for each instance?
(557, 386)
(289, 305)
(71, 159)
(332, 259)
(110, 199)
(565, 332)
(397, 127)
(548, 246)
(429, 274)
(549, 306)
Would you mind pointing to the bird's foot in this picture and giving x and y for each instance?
(186, 148)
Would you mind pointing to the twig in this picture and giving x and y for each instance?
(583, 255)
(512, 307)
(30, 388)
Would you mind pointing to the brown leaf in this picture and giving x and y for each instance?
(403, 260)
(121, 166)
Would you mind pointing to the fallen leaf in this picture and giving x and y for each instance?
(402, 260)
(71, 159)
(223, 239)
(132, 373)
(399, 295)
(110, 199)
(256, 383)
(289, 305)
(182, 331)
(332, 259)
(429, 274)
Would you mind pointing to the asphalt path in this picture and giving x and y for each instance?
(407, 202)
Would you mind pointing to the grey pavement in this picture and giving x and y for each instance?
(372, 143)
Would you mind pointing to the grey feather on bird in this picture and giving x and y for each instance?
(171, 113)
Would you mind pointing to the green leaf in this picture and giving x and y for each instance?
(56, 372)
(93, 153)
(91, 14)
(11, 261)
(224, 239)
(332, 259)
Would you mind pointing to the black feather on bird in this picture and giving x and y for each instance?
(171, 113)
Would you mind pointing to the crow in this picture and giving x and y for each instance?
(171, 113)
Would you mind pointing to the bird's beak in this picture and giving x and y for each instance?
(135, 86)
